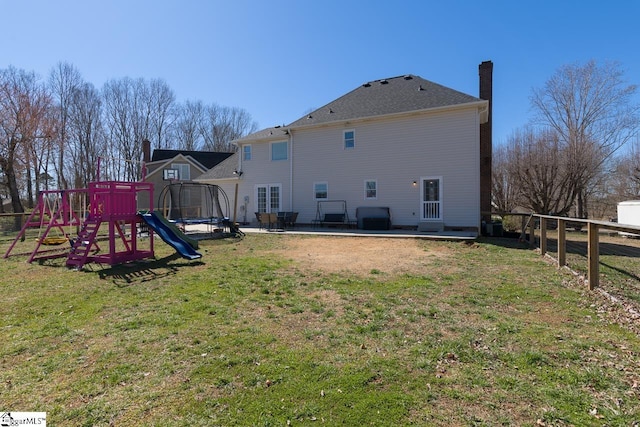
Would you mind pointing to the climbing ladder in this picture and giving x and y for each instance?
(82, 245)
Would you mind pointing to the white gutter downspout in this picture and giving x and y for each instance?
(290, 132)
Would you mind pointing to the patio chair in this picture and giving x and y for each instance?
(272, 219)
(263, 220)
(291, 219)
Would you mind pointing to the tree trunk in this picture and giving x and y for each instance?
(581, 205)
(29, 188)
(585, 204)
(16, 203)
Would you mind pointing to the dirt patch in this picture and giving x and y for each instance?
(362, 256)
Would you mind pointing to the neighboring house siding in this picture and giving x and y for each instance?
(394, 152)
(155, 176)
(158, 184)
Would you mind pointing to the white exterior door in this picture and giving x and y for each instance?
(431, 199)
(268, 198)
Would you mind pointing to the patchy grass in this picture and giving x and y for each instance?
(619, 271)
(255, 334)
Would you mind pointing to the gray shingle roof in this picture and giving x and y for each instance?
(389, 96)
(208, 159)
(223, 170)
(277, 132)
(386, 96)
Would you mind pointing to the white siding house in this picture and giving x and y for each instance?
(402, 143)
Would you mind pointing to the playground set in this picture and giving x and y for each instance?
(110, 206)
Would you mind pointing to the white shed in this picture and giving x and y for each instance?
(629, 214)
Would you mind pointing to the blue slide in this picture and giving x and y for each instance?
(170, 236)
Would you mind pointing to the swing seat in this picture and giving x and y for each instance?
(53, 241)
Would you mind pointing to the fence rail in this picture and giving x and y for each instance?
(12, 222)
(594, 228)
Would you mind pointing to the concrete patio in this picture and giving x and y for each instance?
(337, 231)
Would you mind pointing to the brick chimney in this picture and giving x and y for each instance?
(485, 70)
(146, 151)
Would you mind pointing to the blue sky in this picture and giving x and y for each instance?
(280, 58)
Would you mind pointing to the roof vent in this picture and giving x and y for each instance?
(408, 77)
(330, 111)
(366, 85)
(420, 88)
(309, 117)
(384, 82)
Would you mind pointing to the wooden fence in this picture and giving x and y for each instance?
(12, 222)
(593, 227)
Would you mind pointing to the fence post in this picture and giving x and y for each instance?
(532, 231)
(593, 256)
(562, 243)
(543, 236)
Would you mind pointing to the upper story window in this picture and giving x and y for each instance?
(184, 171)
(320, 190)
(371, 189)
(279, 150)
(349, 139)
(246, 152)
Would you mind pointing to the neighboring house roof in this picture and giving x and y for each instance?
(203, 160)
(383, 97)
(224, 170)
(207, 159)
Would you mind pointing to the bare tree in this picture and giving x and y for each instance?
(134, 111)
(24, 102)
(161, 101)
(119, 111)
(39, 152)
(85, 135)
(188, 125)
(4, 191)
(64, 80)
(625, 174)
(590, 108)
(223, 125)
(535, 162)
(504, 192)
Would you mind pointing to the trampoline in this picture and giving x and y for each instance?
(198, 209)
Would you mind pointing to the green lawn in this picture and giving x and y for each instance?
(491, 334)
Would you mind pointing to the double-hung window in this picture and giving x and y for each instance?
(371, 189)
(246, 152)
(320, 190)
(349, 139)
(279, 150)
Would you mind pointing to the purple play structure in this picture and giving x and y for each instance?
(105, 205)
